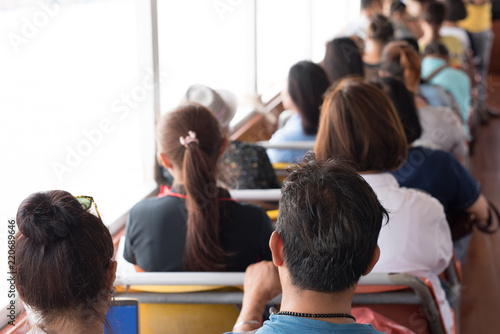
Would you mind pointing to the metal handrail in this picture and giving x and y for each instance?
(421, 293)
(256, 194)
(289, 145)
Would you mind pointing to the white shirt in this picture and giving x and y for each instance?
(442, 127)
(417, 238)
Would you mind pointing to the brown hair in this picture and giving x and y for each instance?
(380, 29)
(359, 123)
(62, 256)
(434, 14)
(203, 250)
(399, 60)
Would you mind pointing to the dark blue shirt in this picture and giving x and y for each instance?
(441, 175)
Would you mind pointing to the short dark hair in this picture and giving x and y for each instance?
(397, 7)
(412, 42)
(342, 58)
(365, 4)
(380, 29)
(404, 103)
(455, 10)
(307, 82)
(434, 13)
(436, 49)
(329, 221)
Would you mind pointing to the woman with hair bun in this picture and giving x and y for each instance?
(196, 226)
(380, 32)
(64, 269)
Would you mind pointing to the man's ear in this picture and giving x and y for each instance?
(223, 146)
(276, 245)
(165, 162)
(373, 260)
(111, 274)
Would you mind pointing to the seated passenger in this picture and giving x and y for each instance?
(426, 126)
(358, 123)
(64, 265)
(196, 226)
(380, 32)
(433, 18)
(442, 176)
(436, 70)
(307, 82)
(325, 239)
(342, 58)
(246, 165)
(455, 11)
(401, 61)
(405, 25)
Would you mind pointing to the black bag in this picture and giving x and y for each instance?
(462, 223)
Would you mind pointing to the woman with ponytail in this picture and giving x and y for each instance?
(433, 16)
(64, 269)
(400, 61)
(196, 226)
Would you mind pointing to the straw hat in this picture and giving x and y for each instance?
(221, 102)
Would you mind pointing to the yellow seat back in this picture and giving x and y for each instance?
(183, 318)
(186, 318)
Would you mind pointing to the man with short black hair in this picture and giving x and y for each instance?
(325, 239)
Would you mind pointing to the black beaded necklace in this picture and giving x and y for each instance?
(312, 315)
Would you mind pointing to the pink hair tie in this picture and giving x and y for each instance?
(191, 138)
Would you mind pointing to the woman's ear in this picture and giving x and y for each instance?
(223, 146)
(165, 162)
(111, 274)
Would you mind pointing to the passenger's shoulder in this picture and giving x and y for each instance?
(422, 203)
(244, 208)
(152, 203)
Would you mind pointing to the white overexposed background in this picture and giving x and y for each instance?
(76, 103)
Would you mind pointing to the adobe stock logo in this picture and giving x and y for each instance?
(121, 108)
(224, 6)
(30, 28)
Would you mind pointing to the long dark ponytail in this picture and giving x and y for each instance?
(197, 158)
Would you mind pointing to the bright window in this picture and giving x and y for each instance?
(77, 91)
(289, 31)
(205, 42)
(77, 104)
